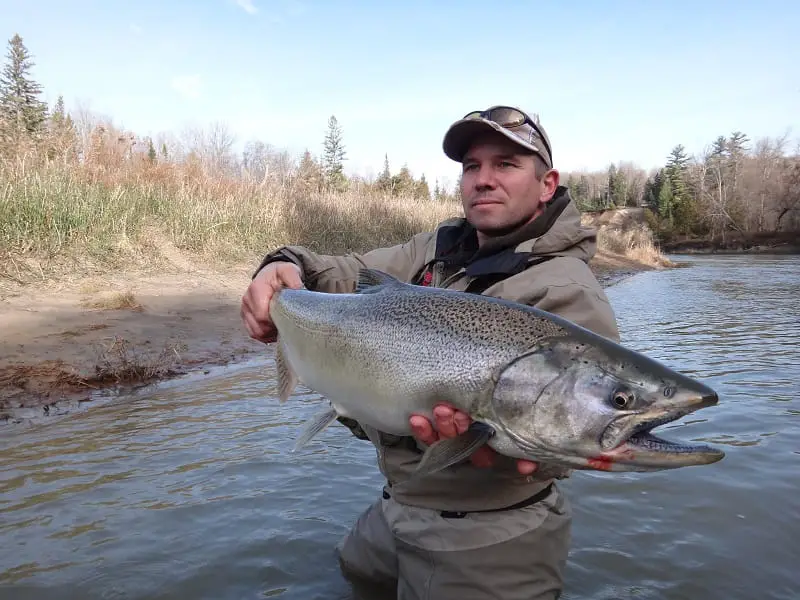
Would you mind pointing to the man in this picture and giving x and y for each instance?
(491, 527)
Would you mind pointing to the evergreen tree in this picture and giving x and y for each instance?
(20, 105)
(666, 201)
(334, 154)
(63, 139)
(680, 204)
(423, 191)
(384, 180)
(403, 182)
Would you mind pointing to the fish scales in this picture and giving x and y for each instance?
(536, 385)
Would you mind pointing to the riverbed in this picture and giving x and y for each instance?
(188, 490)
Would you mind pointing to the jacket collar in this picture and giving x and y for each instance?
(457, 244)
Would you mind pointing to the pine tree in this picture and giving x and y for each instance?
(666, 201)
(20, 105)
(63, 139)
(422, 189)
(384, 180)
(681, 206)
(334, 154)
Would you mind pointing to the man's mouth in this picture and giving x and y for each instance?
(485, 202)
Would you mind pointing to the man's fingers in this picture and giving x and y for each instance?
(258, 330)
(423, 430)
(462, 421)
(445, 422)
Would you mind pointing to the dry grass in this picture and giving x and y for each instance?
(636, 243)
(63, 219)
(120, 362)
(118, 301)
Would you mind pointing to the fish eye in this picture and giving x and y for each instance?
(622, 400)
(669, 391)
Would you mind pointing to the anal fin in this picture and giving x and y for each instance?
(287, 378)
(316, 425)
(449, 451)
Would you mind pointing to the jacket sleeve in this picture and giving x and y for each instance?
(337, 274)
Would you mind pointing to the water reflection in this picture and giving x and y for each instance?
(189, 491)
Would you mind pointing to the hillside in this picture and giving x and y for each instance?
(626, 243)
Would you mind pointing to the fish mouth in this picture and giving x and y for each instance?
(638, 445)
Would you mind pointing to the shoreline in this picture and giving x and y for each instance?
(66, 345)
(759, 243)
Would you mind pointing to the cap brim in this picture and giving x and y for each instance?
(458, 138)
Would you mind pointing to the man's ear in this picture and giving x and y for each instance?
(549, 185)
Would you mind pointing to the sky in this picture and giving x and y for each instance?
(611, 81)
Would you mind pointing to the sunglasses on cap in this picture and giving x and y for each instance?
(509, 117)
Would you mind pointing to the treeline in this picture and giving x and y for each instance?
(28, 125)
(734, 185)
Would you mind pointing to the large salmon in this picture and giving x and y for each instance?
(536, 385)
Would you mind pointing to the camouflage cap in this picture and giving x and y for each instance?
(509, 121)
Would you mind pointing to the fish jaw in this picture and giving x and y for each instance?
(635, 447)
(593, 406)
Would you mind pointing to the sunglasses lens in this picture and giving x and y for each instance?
(507, 117)
(473, 115)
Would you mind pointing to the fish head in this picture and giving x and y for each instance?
(594, 403)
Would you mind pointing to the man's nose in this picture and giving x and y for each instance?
(485, 177)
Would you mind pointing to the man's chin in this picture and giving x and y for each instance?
(494, 229)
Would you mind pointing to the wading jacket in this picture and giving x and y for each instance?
(543, 264)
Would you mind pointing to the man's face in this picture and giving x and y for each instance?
(499, 188)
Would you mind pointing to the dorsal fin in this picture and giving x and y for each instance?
(368, 279)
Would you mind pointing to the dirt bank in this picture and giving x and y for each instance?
(781, 242)
(63, 341)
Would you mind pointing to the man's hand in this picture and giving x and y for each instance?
(255, 302)
(451, 422)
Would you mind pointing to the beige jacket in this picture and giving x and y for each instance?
(545, 264)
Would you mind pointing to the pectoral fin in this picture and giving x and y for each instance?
(450, 451)
(287, 379)
(316, 425)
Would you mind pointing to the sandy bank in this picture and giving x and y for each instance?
(62, 341)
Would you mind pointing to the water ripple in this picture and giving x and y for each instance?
(187, 490)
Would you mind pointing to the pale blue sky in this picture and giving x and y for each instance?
(614, 80)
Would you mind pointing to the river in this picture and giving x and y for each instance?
(188, 489)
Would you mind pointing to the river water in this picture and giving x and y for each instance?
(188, 489)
